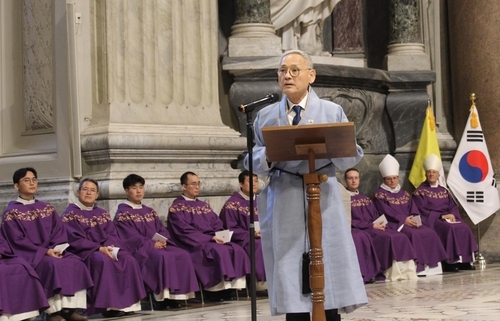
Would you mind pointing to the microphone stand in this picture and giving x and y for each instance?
(253, 282)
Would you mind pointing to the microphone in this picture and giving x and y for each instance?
(269, 99)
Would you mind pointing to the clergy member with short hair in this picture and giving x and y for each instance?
(17, 278)
(440, 212)
(193, 223)
(401, 213)
(235, 215)
(33, 228)
(167, 270)
(118, 286)
(394, 250)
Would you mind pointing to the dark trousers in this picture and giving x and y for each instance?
(331, 315)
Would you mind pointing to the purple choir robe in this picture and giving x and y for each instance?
(235, 216)
(397, 207)
(170, 268)
(390, 245)
(193, 223)
(457, 238)
(31, 229)
(117, 284)
(17, 278)
(369, 264)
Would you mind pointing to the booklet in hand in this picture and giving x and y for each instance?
(256, 226)
(224, 235)
(417, 219)
(61, 247)
(381, 219)
(114, 253)
(159, 238)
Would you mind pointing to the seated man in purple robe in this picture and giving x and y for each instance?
(394, 250)
(167, 270)
(440, 212)
(17, 278)
(193, 223)
(118, 286)
(402, 215)
(235, 215)
(33, 228)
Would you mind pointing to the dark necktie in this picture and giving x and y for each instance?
(297, 117)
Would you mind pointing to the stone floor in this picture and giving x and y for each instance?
(467, 295)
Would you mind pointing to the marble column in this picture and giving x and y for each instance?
(405, 50)
(155, 105)
(252, 33)
(347, 29)
(474, 40)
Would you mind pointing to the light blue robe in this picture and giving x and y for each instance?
(281, 210)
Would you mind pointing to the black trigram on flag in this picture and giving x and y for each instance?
(475, 197)
(494, 182)
(475, 136)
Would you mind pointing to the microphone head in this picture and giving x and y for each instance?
(274, 97)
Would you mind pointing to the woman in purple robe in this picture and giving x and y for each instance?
(33, 228)
(17, 278)
(394, 250)
(193, 223)
(440, 212)
(235, 215)
(167, 270)
(118, 286)
(401, 213)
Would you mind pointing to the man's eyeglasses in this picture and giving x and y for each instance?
(198, 184)
(27, 180)
(294, 72)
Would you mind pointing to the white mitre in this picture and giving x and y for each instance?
(433, 162)
(389, 166)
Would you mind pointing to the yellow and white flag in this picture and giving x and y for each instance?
(471, 177)
(428, 144)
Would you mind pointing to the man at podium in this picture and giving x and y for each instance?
(283, 205)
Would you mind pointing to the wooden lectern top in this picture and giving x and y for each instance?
(330, 140)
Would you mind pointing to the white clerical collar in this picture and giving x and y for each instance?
(392, 190)
(356, 192)
(188, 199)
(25, 202)
(246, 197)
(133, 205)
(434, 185)
(83, 207)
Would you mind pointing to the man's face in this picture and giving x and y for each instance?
(135, 193)
(432, 176)
(245, 186)
(391, 181)
(352, 180)
(192, 187)
(88, 194)
(27, 186)
(295, 88)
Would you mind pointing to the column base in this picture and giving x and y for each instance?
(254, 40)
(406, 57)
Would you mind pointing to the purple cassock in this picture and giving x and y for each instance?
(390, 245)
(193, 223)
(32, 228)
(457, 238)
(17, 279)
(117, 284)
(397, 207)
(235, 216)
(369, 264)
(170, 268)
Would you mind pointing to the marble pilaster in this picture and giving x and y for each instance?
(347, 29)
(155, 100)
(252, 33)
(405, 50)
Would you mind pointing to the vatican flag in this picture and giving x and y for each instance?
(471, 177)
(428, 144)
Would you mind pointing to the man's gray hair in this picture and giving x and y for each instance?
(304, 54)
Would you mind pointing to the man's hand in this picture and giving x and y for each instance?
(257, 234)
(449, 217)
(160, 245)
(107, 250)
(218, 240)
(410, 222)
(379, 226)
(54, 253)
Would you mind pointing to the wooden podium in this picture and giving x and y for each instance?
(311, 142)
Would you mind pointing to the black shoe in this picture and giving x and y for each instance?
(113, 314)
(448, 267)
(466, 266)
(71, 315)
(214, 296)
